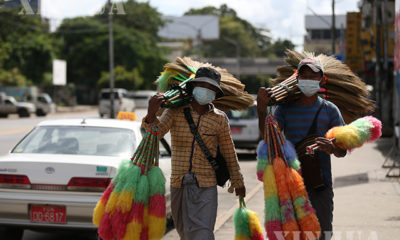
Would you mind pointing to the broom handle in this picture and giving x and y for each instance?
(242, 203)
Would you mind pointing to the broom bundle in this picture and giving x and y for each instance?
(175, 76)
(247, 224)
(340, 85)
(353, 135)
(288, 211)
(133, 206)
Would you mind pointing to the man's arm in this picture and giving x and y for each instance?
(263, 98)
(166, 120)
(228, 151)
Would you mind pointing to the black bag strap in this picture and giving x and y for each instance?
(313, 128)
(199, 140)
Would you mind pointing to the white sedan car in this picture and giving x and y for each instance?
(55, 175)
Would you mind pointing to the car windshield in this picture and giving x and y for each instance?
(82, 140)
(249, 113)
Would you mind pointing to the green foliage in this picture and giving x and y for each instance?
(279, 47)
(140, 16)
(123, 79)
(13, 77)
(253, 42)
(253, 83)
(85, 46)
(25, 45)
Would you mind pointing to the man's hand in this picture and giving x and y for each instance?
(241, 191)
(263, 98)
(325, 145)
(154, 105)
(329, 147)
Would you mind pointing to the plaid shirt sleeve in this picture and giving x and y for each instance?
(164, 124)
(228, 151)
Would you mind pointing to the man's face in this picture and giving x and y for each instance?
(307, 73)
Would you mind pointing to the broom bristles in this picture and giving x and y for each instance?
(234, 95)
(344, 88)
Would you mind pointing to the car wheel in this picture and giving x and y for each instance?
(3, 115)
(22, 112)
(13, 233)
(40, 113)
(101, 115)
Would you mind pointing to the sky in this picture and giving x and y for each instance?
(284, 18)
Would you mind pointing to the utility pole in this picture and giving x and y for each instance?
(378, 67)
(237, 46)
(333, 29)
(111, 58)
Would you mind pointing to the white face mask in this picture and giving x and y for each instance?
(203, 95)
(308, 87)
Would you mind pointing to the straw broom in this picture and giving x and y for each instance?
(342, 87)
(183, 68)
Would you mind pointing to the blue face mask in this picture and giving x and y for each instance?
(203, 95)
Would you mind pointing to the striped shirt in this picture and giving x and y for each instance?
(187, 155)
(296, 120)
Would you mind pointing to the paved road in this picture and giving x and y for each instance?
(13, 129)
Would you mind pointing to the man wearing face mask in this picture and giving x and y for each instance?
(193, 183)
(305, 122)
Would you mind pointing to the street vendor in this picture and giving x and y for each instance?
(304, 122)
(193, 181)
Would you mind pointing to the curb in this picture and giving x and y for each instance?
(221, 220)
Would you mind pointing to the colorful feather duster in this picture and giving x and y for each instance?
(288, 211)
(133, 206)
(353, 135)
(341, 86)
(247, 223)
(173, 81)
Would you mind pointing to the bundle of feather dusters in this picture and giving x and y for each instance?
(235, 98)
(341, 86)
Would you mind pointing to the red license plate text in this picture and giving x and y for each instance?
(48, 214)
(236, 130)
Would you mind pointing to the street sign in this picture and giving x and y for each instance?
(59, 72)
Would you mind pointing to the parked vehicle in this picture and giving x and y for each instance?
(8, 105)
(244, 127)
(121, 102)
(142, 97)
(53, 178)
(43, 103)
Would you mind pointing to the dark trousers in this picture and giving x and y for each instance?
(322, 202)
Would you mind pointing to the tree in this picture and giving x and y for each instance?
(85, 46)
(123, 79)
(30, 47)
(13, 77)
(253, 41)
(279, 47)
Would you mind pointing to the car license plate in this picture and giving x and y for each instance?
(236, 130)
(48, 214)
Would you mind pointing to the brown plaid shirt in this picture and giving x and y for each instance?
(214, 129)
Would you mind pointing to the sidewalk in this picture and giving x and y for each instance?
(367, 204)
